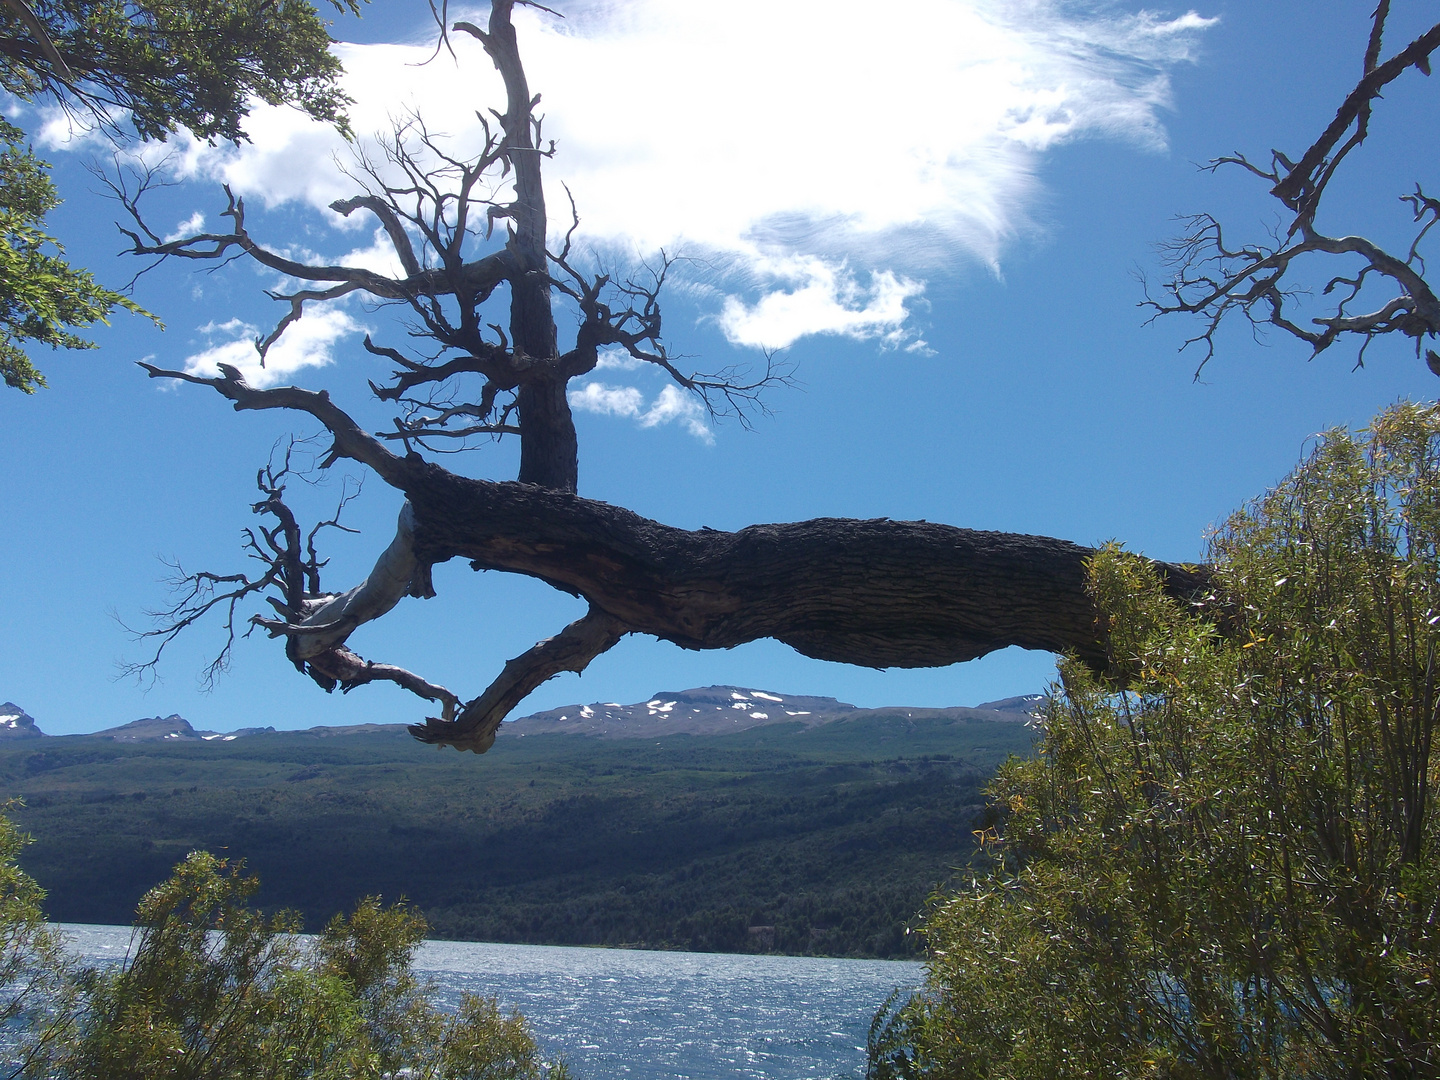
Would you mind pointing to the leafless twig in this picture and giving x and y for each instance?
(1383, 294)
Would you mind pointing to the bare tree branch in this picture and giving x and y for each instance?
(570, 650)
(293, 571)
(878, 593)
(195, 596)
(1386, 294)
(329, 620)
(343, 668)
(351, 441)
(1307, 179)
(315, 624)
(437, 211)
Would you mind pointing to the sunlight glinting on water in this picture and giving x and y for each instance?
(656, 1015)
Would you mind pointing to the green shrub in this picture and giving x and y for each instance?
(1223, 862)
(215, 990)
(35, 974)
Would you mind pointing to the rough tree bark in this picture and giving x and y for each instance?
(877, 593)
(549, 450)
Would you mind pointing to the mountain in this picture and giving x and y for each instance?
(725, 710)
(821, 825)
(16, 723)
(173, 727)
(703, 711)
(1028, 706)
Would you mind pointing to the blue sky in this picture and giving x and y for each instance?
(941, 218)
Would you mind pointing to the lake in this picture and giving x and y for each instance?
(657, 1015)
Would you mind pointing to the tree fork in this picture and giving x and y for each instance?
(549, 450)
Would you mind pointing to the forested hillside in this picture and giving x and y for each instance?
(778, 838)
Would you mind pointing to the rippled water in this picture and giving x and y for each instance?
(659, 1015)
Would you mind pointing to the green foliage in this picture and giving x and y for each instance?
(1227, 868)
(161, 65)
(41, 296)
(215, 990)
(34, 972)
(171, 64)
(484, 1044)
(834, 836)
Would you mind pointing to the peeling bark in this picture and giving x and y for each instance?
(329, 622)
(876, 593)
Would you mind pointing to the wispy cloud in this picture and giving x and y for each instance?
(307, 343)
(189, 227)
(829, 158)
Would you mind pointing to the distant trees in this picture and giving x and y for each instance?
(214, 990)
(1223, 863)
(155, 67)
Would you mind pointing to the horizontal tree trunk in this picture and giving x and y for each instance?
(877, 593)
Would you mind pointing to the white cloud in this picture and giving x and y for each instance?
(671, 405)
(614, 359)
(189, 227)
(674, 404)
(838, 144)
(819, 296)
(307, 343)
(596, 397)
(379, 257)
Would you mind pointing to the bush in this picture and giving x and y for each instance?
(1223, 862)
(215, 990)
(35, 974)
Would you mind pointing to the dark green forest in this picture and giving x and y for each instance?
(777, 839)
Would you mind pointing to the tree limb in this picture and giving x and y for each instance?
(1259, 281)
(1301, 179)
(330, 620)
(570, 650)
(347, 670)
(876, 593)
(351, 440)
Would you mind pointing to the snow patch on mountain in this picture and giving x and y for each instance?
(722, 710)
(16, 723)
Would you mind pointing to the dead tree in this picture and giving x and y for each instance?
(1387, 293)
(878, 593)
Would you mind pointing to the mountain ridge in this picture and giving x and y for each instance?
(833, 834)
(724, 709)
(699, 711)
